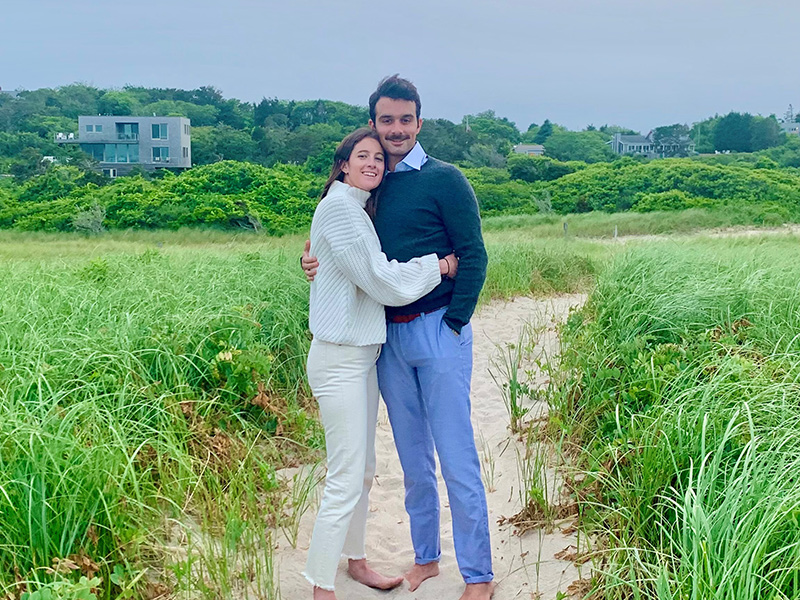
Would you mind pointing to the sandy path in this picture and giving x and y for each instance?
(524, 566)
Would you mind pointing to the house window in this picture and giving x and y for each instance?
(121, 153)
(93, 150)
(185, 129)
(159, 131)
(185, 152)
(127, 131)
(89, 128)
(110, 173)
(98, 128)
(160, 154)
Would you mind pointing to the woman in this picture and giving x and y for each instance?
(346, 317)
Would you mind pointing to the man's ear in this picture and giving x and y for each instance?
(372, 124)
(419, 125)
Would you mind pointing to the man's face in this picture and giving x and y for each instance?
(397, 125)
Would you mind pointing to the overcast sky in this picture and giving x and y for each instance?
(637, 63)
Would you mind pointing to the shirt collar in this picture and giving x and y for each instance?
(412, 161)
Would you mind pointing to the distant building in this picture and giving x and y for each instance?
(640, 145)
(633, 144)
(121, 143)
(790, 128)
(9, 93)
(529, 149)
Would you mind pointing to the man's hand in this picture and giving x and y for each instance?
(448, 266)
(309, 263)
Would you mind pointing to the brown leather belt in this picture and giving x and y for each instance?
(404, 318)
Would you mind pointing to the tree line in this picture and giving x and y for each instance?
(261, 165)
(276, 131)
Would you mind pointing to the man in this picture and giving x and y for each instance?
(425, 366)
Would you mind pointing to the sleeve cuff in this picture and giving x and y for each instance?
(455, 326)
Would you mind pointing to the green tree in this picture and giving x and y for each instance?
(536, 168)
(734, 132)
(586, 146)
(484, 155)
(267, 108)
(765, 133)
(308, 140)
(497, 132)
(445, 140)
(702, 133)
(544, 132)
(673, 138)
(213, 144)
(201, 115)
(116, 102)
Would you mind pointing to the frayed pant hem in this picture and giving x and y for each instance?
(315, 584)
(354, 557)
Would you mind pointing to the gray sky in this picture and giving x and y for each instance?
(638, 63)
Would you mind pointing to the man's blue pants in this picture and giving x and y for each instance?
(424, 373)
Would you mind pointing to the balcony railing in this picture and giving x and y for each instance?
(127, 136)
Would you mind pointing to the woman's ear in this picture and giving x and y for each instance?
(345, 168)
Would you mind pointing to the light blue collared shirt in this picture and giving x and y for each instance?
(412, 161)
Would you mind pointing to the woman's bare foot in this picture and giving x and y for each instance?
(363, 573)
(320, 594)
(420, 573)
(478, 591)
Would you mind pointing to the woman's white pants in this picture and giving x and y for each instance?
(344, 381)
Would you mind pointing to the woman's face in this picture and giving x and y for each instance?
(364, 169)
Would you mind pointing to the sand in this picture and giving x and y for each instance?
(524, 566)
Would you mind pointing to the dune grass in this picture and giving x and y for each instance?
(151, 386)
(605, 225)
(678, 399)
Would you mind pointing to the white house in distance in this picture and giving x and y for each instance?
(792, 128)
(529, 149)
(120, 143)
(645, 145)
(788, 123)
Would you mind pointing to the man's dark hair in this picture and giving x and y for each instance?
(396, 88)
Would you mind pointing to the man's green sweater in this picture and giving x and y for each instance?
(434, 210)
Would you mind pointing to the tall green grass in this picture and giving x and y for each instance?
(150, 386)
(604, 225)
(681, 380)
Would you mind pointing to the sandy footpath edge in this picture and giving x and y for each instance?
(525, 567)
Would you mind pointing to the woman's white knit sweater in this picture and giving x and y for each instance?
(355, 279)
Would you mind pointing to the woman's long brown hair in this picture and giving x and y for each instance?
(342, 155)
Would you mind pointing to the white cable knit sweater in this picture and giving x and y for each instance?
(355, 280)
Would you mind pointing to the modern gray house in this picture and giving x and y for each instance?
(120, 143)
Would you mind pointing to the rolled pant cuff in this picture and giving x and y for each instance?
(479, 579)
(426, 561)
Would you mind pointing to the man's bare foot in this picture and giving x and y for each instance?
(320, 594)
(363, 573)
(420, 573)
(479, 591)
